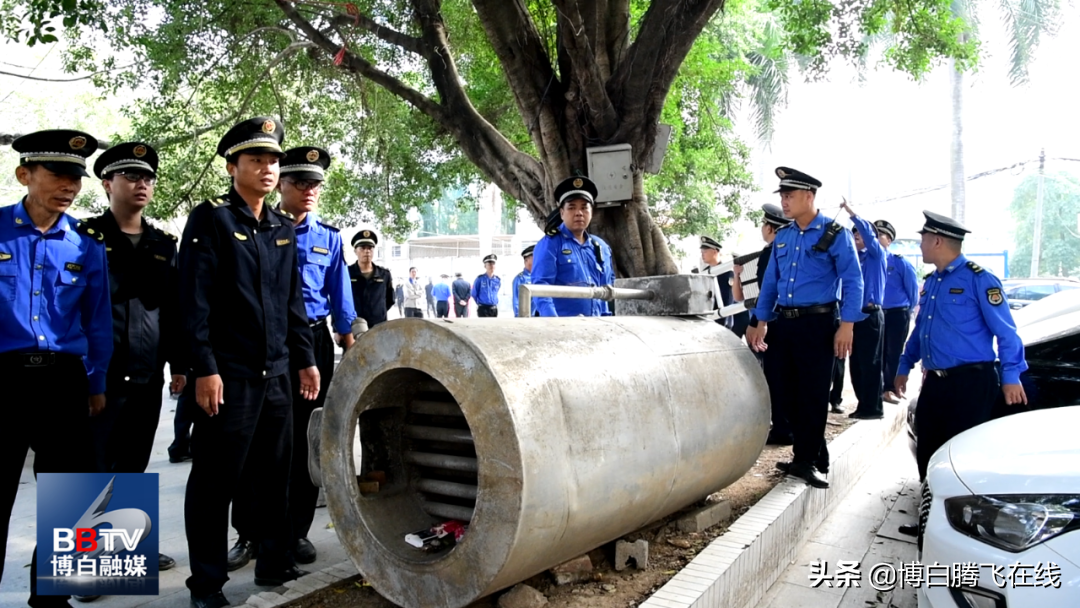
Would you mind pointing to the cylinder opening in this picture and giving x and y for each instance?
(418, 465)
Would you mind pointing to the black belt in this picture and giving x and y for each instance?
(318, 323)
(871, 308)
(903, 308)
(486, 305)
(959, 369)
(39, 359)
(795, 313)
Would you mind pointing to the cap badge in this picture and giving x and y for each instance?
(781, 173)
(578, 183)
(312, 156)
(77, 143)
(367, 234)
(139, 151)
(268, 126)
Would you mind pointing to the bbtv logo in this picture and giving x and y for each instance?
(100, 532)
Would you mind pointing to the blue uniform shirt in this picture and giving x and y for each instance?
(961, 310)
(54, 292)
(441, 292)
(901, 284)
(324, 275)
(523, 278)
(797, 276)
(561, 260)
(486, 290)
(872, 261)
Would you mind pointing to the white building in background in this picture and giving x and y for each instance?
(449, 254)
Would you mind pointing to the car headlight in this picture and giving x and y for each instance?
(1014, 522)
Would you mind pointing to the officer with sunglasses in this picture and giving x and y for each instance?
(146, 326)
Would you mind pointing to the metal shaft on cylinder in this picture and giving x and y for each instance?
(447, 488)
(527, 292)
(434, 433)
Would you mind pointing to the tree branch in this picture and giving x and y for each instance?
(88, 76)
(355, 63)
(575, 40)
(386, 34)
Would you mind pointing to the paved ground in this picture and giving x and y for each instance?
(863, 528)
(173, 594)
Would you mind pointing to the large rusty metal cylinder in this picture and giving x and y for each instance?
(550, 437)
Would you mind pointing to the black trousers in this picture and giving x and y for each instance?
(302, 493)
(181, 445)
(798, 368)
(781, 428)
(46, 409)
(124, 433)
(461, 311)
(414, 312)
(836, 394)
(951, 405)
(442, 309)
(866, 363)
(483, 310)
(249, 442)
(897, 325)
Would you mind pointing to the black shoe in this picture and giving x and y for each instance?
(778, 439)
(179, 459)
(836, 409)
(241, 553)
(164, 562)
(784, 465)
(214, 600)
(304, 552)
(865, 415)
(910, 530)
(277, 579)
(822, 467)
(85, 598)
(807, 473)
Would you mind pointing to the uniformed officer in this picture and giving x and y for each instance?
(901, 297)
(485, 289)
(327, 294)
(462, 292)
(569, 255)
(372, 285)
(146, 323)
(811, 258)
(243, 308)
(772, 220)
(961, 310)
(710, 258)
(867, 335)
(441, 293)
(524, 277)
(56, 337)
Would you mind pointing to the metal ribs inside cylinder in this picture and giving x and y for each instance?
(440, 456)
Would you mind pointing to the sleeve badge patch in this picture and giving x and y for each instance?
(994, 296)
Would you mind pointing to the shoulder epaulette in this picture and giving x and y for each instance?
(326, 224)
(974, 267)
(283, 213)
(219, 202)
(928, 275)
(83, 228)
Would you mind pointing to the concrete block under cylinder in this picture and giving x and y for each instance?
(550, 437)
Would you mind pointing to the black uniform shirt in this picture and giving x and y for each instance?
(143, 284)
(241, 297)
(372, 298)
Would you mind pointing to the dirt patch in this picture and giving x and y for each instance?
(611, 589)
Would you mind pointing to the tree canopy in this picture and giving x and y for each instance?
(1060, 251)
(416, 96)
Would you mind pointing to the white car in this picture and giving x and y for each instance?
(1004, 499)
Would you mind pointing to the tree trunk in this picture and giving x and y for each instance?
(642, 250)
(956, 156)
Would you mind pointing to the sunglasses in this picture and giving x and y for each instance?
(305, 185)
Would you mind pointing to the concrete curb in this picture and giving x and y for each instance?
(303, 586)
(739, 567)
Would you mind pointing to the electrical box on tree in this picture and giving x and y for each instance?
(610, 170)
